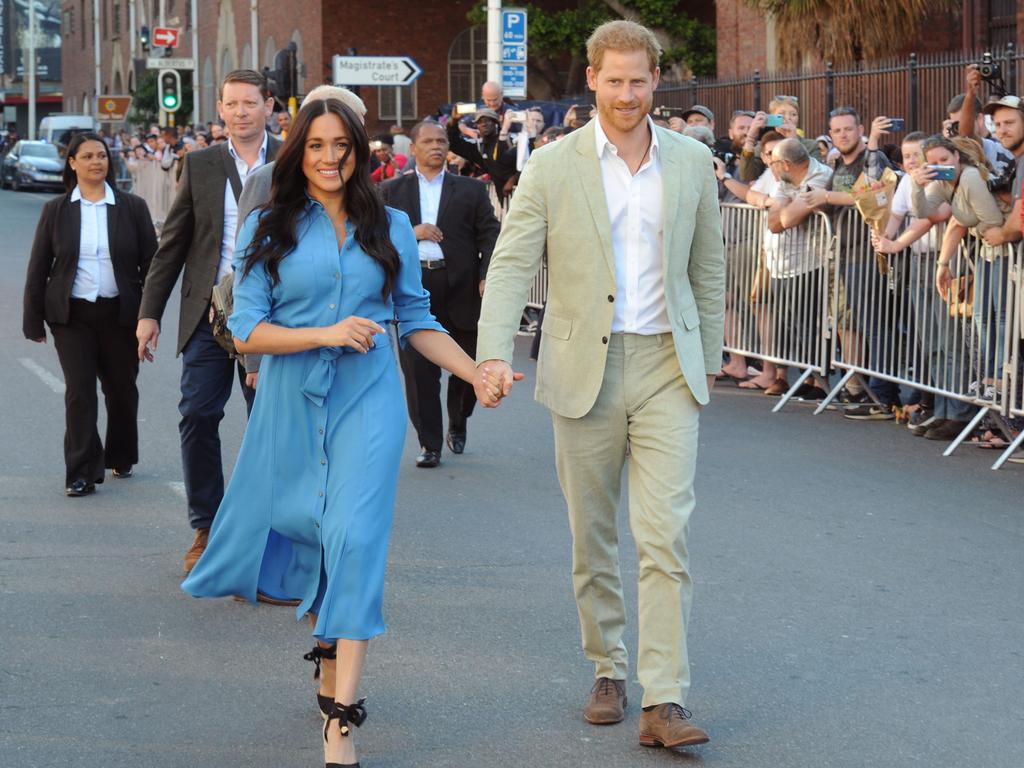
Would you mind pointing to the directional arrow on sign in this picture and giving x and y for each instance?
(166, 37)
(374, 70)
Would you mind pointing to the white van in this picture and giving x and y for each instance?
(54, 129)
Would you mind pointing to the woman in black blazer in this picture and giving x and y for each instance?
(92, 248)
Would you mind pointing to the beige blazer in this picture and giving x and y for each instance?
(560, 205)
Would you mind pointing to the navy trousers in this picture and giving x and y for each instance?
(207, 377)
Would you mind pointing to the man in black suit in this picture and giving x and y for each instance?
(456, 228)
(199, 236)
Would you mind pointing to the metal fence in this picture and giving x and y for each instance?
(916, 88)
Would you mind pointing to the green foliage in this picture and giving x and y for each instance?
(146, 110)
(690, 42)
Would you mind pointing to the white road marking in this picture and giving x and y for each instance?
(44, 375)
(178, 487)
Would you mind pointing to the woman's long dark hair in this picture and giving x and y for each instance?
(276, 234)
(69, 177)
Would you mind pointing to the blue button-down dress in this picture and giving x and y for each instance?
(308, 511)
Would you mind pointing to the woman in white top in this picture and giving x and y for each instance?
(91, 251)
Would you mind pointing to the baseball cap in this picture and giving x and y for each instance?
(490, 113)
(1013, 102)
(699, 109)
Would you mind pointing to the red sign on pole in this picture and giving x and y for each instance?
(165, 37)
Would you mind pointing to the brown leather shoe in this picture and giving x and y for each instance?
(668, 725)
(197, 549)
(607, 703)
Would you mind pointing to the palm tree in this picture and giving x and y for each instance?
(846, 31)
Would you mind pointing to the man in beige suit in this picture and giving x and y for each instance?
(632, 338)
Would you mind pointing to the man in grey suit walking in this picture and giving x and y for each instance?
(199, 237)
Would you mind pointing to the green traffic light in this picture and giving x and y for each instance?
(170, 101)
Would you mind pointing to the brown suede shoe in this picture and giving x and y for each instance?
(197, 549)
(668, 725)
(607, 703)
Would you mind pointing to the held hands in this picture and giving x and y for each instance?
(354, 332)
(493, 382)
(147, 332)
(922, 175)
(943, 279)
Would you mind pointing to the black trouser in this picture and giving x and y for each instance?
(207, 377)
(93, 345)
(423, 378)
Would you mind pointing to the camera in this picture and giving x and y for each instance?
(518, 116)
(989, 70)
(667, 112)
(992, 74)
(724, 155)
(464, 108)
(943, 172)
(773, 121)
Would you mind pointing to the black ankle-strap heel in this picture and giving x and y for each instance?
(345, 714)
(326, 703)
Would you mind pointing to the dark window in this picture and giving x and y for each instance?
(1002, 25)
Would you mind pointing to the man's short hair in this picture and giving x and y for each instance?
(740, 113)
(767, 138)
(623, 36)
(914, 137)
(792, 151)
(249, 76)
(844, 112)
(344, 95)
(414, 134)
(957, 103)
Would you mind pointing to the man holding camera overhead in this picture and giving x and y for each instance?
(495, 157)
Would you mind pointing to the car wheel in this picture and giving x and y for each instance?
(14, 183)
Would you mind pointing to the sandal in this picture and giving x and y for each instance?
(345, 714)
(326, 703)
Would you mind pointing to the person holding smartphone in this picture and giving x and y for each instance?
(783, 117)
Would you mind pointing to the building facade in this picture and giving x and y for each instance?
(232, 34)
(14, 45)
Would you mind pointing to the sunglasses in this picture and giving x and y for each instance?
(793, 99)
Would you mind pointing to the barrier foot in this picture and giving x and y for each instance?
(966, 432)
(834, 393)
(1017, 442)
(792, 390)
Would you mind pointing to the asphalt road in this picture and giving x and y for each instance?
(859, 599)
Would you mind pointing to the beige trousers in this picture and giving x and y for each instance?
(646, 404)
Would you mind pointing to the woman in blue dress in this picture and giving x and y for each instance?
(319, 272)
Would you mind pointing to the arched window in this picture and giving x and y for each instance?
(209, 91)
(269, 52)
(467, 64)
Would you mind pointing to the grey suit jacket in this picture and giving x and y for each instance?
(256, 192)
(191, 239)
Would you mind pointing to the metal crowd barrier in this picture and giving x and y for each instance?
(1015, 386)
(890, 322)
(777, 291)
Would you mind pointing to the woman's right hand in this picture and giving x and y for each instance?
(355, 332)
(922, 175)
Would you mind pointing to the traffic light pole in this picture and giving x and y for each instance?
(96, 54)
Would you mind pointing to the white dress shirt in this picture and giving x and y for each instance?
(95, 275)
(430, 202)
(637, 217)
(227, 243)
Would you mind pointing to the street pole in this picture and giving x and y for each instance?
(31, 70)
(494, 41)
(162, 119)
(132, 30)
(196, 117)
(96, 51)
(398, 106)
(254, 8)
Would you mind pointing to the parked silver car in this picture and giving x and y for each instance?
(32, 164)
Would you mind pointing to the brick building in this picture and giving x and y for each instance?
(437, 35)
(745, 38)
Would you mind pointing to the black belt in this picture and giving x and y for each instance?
(435, 264)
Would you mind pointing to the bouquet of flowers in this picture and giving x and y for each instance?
(873, 198)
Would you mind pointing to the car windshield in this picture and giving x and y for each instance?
(40, 150)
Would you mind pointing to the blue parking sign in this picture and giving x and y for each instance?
(513, 26)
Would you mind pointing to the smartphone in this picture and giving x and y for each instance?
(897, 125)
(518, 116)
(464, 108)
(774, 121)
(942, 172)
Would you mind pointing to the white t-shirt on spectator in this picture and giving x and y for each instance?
(795, 254)
(901, 206)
